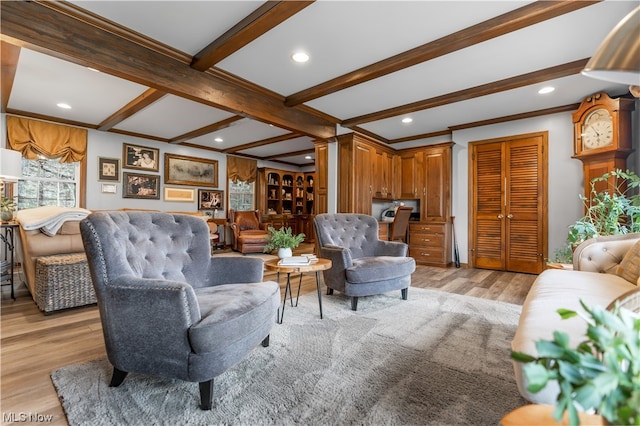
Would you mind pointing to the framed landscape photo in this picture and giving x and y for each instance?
(182, 170)
(140, 157)
(109, 169)
(210, 199)
(179, 194)
(141, 186)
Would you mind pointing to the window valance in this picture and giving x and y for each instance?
(241, 169)
(34, 138)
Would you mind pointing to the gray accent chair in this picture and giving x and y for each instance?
(362, 264)
(168, 308)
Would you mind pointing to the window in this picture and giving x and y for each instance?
(241, 195)
(48, 182)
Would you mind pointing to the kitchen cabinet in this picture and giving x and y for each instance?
(383, 176)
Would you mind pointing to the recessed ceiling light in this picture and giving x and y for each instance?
(307, 157)
(63, 105)
(546, 90)
(407, 120)
(217, 140)
(300, 57)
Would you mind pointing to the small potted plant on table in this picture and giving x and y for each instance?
(283, 240)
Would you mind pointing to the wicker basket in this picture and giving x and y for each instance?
(63, 281)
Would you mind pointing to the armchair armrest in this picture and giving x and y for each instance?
(603, 254)
(130, 304)
(391, 248)
(231, 270)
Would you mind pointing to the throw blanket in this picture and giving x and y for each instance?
(49, 218)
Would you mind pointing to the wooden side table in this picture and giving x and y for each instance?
(542, 415)
(316, 267)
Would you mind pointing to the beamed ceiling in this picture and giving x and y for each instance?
(188, 72)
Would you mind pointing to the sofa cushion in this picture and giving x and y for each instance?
(629, 268)
(380, 268)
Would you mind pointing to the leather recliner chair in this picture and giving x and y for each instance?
(249, 235)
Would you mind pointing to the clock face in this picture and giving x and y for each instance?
(597, 130)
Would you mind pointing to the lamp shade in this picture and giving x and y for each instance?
(10, 165)
(618, 57)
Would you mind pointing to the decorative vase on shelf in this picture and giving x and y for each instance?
(284, 252)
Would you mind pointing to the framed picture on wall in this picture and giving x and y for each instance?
(140, 157)
(109, 169)
(182, 170)
(187, 195)
(210, 199)
(141, 186)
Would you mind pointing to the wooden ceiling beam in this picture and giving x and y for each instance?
(263, 142)
(38, 27)
(148, 97)
(223, 124)
(263, 19)
(523, 17)
(520, 116)
(10, 55)
(522, 80)
(422, 136)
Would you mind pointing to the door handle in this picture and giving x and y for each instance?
(500, 216)
(509, 216)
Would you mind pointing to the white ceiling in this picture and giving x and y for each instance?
(340, 37)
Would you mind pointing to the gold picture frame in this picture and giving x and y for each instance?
(183, 170)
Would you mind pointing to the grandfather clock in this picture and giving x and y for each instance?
(602, 136)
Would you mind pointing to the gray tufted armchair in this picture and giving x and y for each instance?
(362, 264)
(169, 308)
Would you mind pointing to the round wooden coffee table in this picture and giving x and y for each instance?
(317, 266)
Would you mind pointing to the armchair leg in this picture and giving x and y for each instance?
(206, 395)
(354, 303)
(404, 292)
(265, 342)
(117, 378)
(329, 291)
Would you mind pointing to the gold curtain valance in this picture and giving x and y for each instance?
(241, 169)
(34, 138)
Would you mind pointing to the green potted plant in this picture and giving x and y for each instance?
(609, 212)
(601, 373)
(7, 207)
(283, 240)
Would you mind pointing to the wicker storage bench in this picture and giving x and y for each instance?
(63, 281)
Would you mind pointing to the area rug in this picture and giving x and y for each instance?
(435, 359)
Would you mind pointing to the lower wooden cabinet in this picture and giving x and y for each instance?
(430, 243)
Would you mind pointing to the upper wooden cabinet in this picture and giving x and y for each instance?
(425, 174)
(383, 182)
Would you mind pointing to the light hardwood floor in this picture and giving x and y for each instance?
(33, 345)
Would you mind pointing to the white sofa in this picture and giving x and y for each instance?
(594, 279)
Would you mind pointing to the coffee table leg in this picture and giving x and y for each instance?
(299, 284)
(319, 293)
(287, 288)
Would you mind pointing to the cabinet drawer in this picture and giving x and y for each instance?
(427, 254)
(426, 228)
(426, 240)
